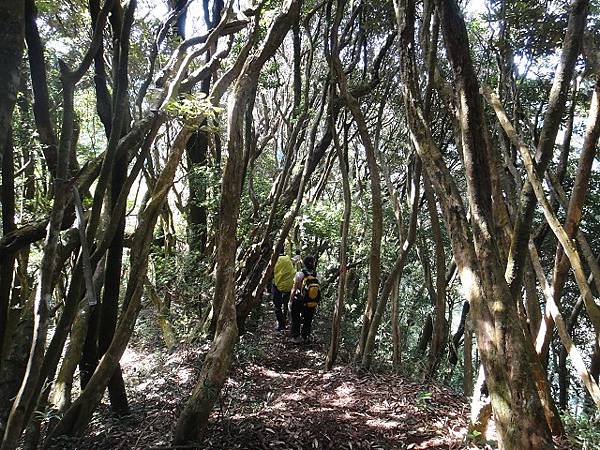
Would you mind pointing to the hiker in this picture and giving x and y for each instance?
(283, 281)
(306, 295)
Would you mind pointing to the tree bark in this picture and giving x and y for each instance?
(11, 49)
(396, 272)
(374, 178)
(342, 153)
(468, 359)
(121, 26)
(39, 83)
(576, 202)
(8, 224)
(197, 150)
(518, 412)
(552, 120)
(194, 418)
(440, 325)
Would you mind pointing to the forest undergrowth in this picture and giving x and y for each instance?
(278, 396)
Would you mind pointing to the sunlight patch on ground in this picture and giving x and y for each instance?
(295, 397)
(268, 373)
(383, 407)
(142, 386)
(382, 424)
(344, 395)
(184, 375)
(131, 358)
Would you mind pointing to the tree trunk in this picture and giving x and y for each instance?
(425, 336)
(11, 49)
(517, 409)
(468, 359)
(61, 397)
(396, 273)
(458, 335)
(14, 363)
(563, 380)
(440, 325)
(8, 224)
(396, 332)
(194, 418)
(114, 113)
(339, 305)
(162, 310)
(197, 150)
(574, 211)
(375, 184)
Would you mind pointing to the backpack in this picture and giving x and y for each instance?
(311, 290)
(284, 274)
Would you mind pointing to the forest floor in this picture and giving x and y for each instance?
(278, 396)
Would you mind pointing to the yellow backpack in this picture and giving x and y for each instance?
(311, 290)
(284, 273)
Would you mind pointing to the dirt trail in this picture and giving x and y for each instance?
(285, 400)
(279, 397)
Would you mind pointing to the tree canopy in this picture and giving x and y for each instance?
(438, 158)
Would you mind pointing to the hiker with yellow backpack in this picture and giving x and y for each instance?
(283, 281)
(306, 295)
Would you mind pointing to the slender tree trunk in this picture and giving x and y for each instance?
(375, 183)
(532, 302)
(339, 305)
(468, 359)
(576, 202)
(194, 418)
(61, 397)
(552, 120)
(517, 409)
(396, 272)
(563, 380)
(396, 332)
(8, 224)
(114, 260)
(440, 325)
(11, 49)
(458, 335)
(425, 336)
(14, 362)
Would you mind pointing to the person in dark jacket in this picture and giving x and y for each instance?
(305, 297)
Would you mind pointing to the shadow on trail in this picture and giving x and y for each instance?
(282, 399)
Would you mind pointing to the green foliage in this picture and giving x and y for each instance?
(193, 108)
(478, 438)
(270, 77)
(204, 179)
(424, 397)
(582, 431)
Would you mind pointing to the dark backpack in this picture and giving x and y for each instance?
(311, 290)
